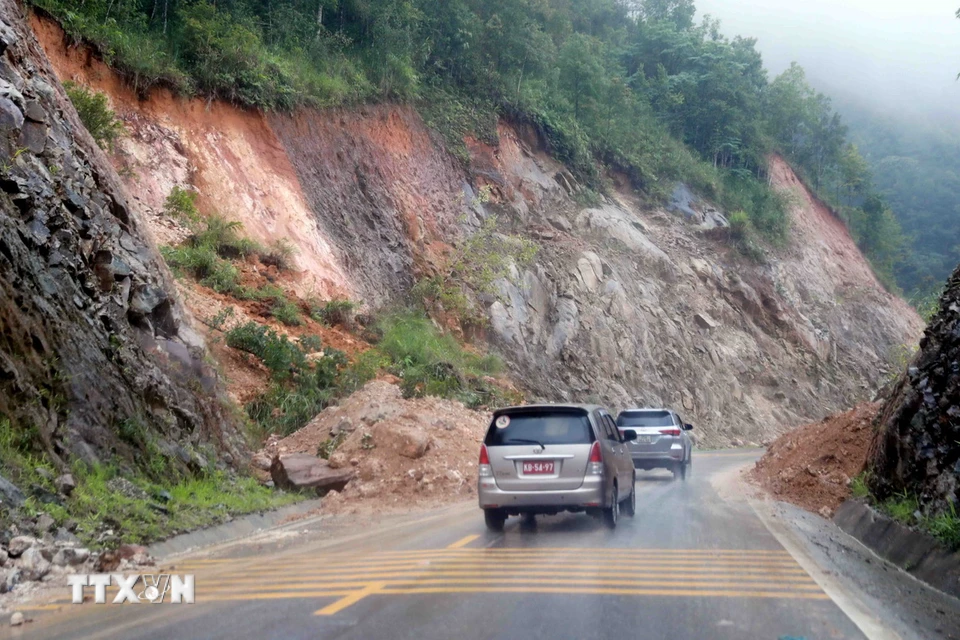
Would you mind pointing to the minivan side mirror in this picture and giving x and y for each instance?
(687, 427)
(629, 435)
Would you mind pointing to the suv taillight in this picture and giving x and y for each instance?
(485, 470)
(670, 432)
(595, 462)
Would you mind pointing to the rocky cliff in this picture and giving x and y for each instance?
(917, 449)
(97, 358)
(626, 303)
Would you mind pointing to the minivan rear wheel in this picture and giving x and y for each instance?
(494, 518)
(630, 505)
(612, 513)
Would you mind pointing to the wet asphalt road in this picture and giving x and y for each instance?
(696, 562)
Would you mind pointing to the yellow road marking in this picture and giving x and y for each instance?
(462, 542)
(607, 551)
(580, 582)
(353, 598)
(323, 569)
(573, 576)
(611, 591)
(507, 589)
(761, 573)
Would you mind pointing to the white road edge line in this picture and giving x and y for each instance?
(861, 615)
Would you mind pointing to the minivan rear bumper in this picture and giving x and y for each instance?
(589, 494)
(662, 460)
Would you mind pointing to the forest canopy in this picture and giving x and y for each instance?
(634, 85)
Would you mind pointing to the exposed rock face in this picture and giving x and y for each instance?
(918, 446)
(90, 334)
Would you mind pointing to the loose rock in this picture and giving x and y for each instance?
(303, 471)
(20, 544)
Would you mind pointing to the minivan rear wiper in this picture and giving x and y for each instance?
(524, 441)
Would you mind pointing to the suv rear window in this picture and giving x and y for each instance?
(543, 427)
(644, 419)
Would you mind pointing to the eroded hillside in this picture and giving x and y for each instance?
(625, 303)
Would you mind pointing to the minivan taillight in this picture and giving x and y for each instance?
(485, 470)
(670, 432)
(595, 462)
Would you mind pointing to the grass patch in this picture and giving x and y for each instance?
(859, 486)
(906, 509)
(430, 362)
(140, 506)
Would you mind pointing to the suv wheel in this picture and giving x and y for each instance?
(680, 471)
(630, 506)
(494, 519)
(612, 513)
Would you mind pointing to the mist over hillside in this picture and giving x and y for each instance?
(890, 69)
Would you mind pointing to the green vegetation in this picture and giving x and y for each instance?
(286, 312)
(914, 164)
(476, 264)
(95, 114)
(905, 508)
(860, 487)
(300, 388)
(430, 362)
(331, 313)
(139, 506)
(633, 86)
(279, 254)
(181, 204)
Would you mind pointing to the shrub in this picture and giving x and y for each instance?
(279, 354)
(311, 343)
(182, 205)
(279, 254)
(286, 312)
(338, 311)
(95, 113)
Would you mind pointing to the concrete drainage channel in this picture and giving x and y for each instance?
(236, 529)
(917, 553)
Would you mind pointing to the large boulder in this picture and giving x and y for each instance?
(20, 544)
(33, 565)
(304, 471)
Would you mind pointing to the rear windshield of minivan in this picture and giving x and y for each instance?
(645, 419)
(542, 427)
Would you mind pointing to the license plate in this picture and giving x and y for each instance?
(535, 468)
(645, 439)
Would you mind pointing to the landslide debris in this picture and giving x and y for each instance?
(417, 451)
(813, 466)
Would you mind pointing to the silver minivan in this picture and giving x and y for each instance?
(662, 441)
(544, 459)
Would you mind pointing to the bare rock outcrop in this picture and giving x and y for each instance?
(93, 336)
(917, 449)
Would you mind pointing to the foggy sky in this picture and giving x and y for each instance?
(899, 57)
